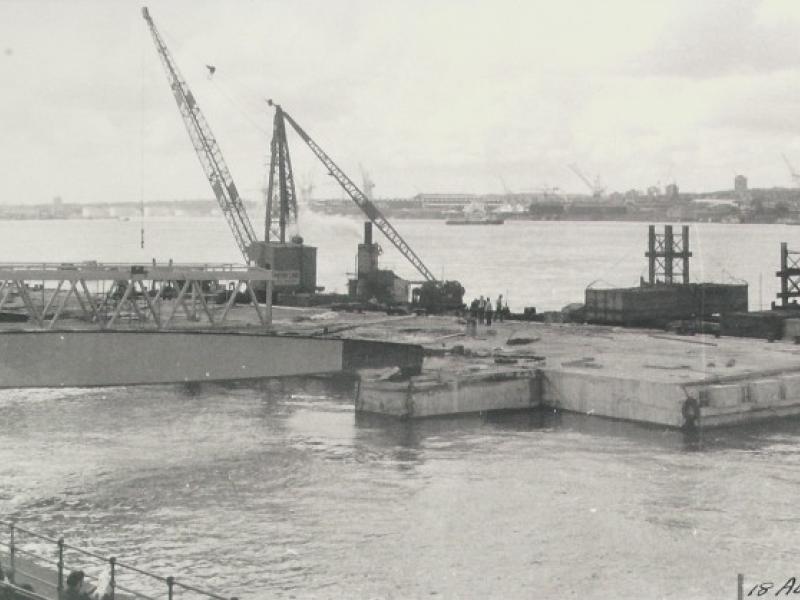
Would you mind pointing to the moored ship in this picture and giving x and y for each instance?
(476, 215)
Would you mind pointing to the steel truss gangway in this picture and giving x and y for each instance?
(154, 295)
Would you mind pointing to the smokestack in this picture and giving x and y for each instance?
(368, 233)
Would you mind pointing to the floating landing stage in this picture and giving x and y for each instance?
(636, 375)
(99, 325)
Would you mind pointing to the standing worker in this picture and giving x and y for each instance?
(481, 310)
(473, 310)
(488, 310)
(499, 312)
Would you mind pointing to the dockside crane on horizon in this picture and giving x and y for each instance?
(206, 148)
(596, 187)
(795, 175)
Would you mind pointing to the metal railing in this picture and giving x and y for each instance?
(171, 585)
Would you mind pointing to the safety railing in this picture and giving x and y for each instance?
(10, 591)
(56, 565)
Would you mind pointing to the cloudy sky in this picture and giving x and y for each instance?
(436, 96)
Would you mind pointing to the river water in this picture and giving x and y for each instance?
(277, 489)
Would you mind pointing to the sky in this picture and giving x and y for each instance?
(426, 96)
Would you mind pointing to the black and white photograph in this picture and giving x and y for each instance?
(383, 299)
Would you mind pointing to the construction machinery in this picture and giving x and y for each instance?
(381, 285)
(293, 263)
(667, 298)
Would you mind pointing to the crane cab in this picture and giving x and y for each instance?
(293, 264)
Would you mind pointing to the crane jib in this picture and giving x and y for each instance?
(364, 203)
(205, 146)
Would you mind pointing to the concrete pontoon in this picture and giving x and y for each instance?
(640, 375)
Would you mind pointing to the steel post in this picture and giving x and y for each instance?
(784, 274)
(686, 253)
(268, 304)
(669, 253)
(12, 550)
(113, 564)
(60, 566)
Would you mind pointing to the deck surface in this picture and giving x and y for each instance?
(647, 355)
(644, 355)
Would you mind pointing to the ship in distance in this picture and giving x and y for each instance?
(475, 214)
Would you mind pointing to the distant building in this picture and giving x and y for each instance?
(445, 202)
(671, 191)
(740, 184)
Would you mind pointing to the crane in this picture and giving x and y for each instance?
(795, 175)
(280, 170)
(596, 187)
(364, 203)
(206, 147)
(219, 176)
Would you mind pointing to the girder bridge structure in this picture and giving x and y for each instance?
(105, 296)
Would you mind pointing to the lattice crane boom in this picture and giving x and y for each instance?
(596, 187)
(280, 172)
(795, 175)
(206, 147)
(363, 202)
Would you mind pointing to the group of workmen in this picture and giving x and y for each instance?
(481, 310)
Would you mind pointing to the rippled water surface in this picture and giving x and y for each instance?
(277, 489)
